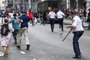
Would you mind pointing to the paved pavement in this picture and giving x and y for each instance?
(46, 45)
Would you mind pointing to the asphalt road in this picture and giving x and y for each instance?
(46, 45)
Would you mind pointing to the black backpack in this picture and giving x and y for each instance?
(4, 30)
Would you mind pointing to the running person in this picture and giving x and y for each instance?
(23, 30)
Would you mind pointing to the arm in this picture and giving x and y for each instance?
(70, 26)
(74, 24)
(11, 20)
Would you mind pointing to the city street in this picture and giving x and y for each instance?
(44, 44)
(47, 45)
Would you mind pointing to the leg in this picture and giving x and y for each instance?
(25, 31)
(7, 48)
(4, 50)
(19, 35)
(15, 35)
(89, 25)
(76, 47)
(61, 23)
(52, 24)
(44, 22)
(26, 39)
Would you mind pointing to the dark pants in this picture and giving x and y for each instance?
(44, 20)
(32, 21)
(89, 25)
(61, 23)
(15, 32)
(52, 24)
(76, 37)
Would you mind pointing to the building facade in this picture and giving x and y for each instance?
(21, 5)
(8, 5)
(34, 4)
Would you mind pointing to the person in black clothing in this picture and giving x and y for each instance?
(44, 17)
(88, 20)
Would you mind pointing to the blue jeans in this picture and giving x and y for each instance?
(76, 37)
(52, 24)
(61, 23)
(15, 32)
(89, 25)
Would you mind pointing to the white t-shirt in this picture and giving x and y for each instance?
(52, 14)
(60, 14)
(77, 22)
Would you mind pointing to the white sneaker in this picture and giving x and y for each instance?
(1, 54)
(22, 52)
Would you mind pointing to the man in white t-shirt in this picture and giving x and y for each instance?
(60, 17)
(78, 31)
(52, 16)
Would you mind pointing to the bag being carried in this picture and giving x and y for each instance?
(4, 30)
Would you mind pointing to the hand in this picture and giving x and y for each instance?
(68, 26)
(16, 21)
(21, 21)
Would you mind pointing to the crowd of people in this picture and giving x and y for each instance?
(20, 25)
(16, 26)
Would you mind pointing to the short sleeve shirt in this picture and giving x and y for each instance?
(60, 14)
(77, 22)
(52, 14)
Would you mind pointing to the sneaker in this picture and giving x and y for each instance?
(1, 54)
(18, 47)
(22, 52)
(28, 46)
(6, 54)
(77, 57)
